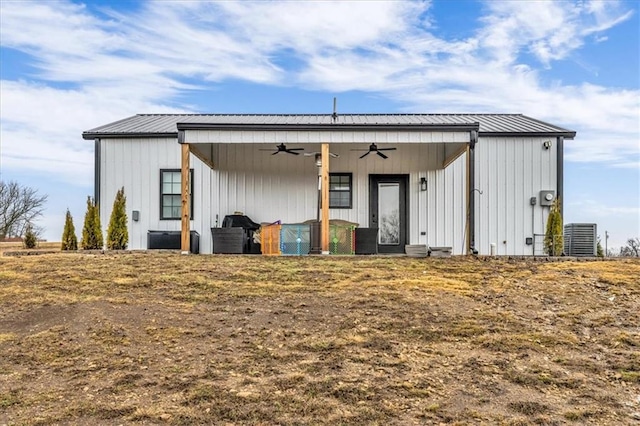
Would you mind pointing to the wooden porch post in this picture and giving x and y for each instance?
(186, 209)
(324, 223)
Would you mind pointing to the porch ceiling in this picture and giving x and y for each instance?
(448, 151)
(452, 139)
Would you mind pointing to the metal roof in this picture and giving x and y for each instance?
(168, 124)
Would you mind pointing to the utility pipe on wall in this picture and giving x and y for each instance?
(471, 180)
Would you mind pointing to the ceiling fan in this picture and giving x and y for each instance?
(374, 148)
(283, 148)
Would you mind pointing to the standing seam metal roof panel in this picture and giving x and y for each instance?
(166, 124)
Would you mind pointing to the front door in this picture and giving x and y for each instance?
(388, 211)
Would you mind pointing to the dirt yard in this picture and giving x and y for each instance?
(168, 339)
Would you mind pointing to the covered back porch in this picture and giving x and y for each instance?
(309, 182)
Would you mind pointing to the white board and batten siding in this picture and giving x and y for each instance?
(275, 187)
(284, 187)
(509, 171)
(135, 164)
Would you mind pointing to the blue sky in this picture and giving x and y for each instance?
(66, 67)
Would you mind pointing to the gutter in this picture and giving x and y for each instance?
(94, 135)
(566, 135)
(355, 127)
(466, 127)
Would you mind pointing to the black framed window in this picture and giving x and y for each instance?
(340, 190)
(171, 194)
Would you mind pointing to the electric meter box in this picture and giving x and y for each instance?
(547, 197)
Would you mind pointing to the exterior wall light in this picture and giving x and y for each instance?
(546, 144)
(423, 184)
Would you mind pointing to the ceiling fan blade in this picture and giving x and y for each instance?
(382, 155)
(292, 152)
(295, 149)
(275, 153)
(263, 149)
(387, 149)
(365, 154)
(355, 149)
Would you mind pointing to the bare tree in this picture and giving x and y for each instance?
(632, 249)
(19, 205)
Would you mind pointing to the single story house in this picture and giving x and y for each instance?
(475, 182)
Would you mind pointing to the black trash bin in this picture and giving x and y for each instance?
(366, 240)
(249, 226)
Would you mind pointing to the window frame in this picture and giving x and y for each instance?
(350, 190)
(162, 194)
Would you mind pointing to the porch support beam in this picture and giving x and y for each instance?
(453, 157)
(186, 185)
(324, 217)
(200, 156)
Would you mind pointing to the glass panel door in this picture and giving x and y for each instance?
(388, 213)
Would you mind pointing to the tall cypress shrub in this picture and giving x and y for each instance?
(553, 239)
(117, 233)
(69, 239)
(92, 238)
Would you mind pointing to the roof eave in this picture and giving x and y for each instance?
(330, 127)
(108, 135)
(567, 134)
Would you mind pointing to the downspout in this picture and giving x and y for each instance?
(560, 174)
(96, 171)
(472, 192)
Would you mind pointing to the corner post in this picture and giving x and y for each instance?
(324, 220)
(186, 185)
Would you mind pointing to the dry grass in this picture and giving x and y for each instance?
(169, 339)
(42, 246)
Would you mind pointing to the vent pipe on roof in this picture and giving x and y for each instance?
(335, 109)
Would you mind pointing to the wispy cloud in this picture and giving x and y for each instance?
(120, 63)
